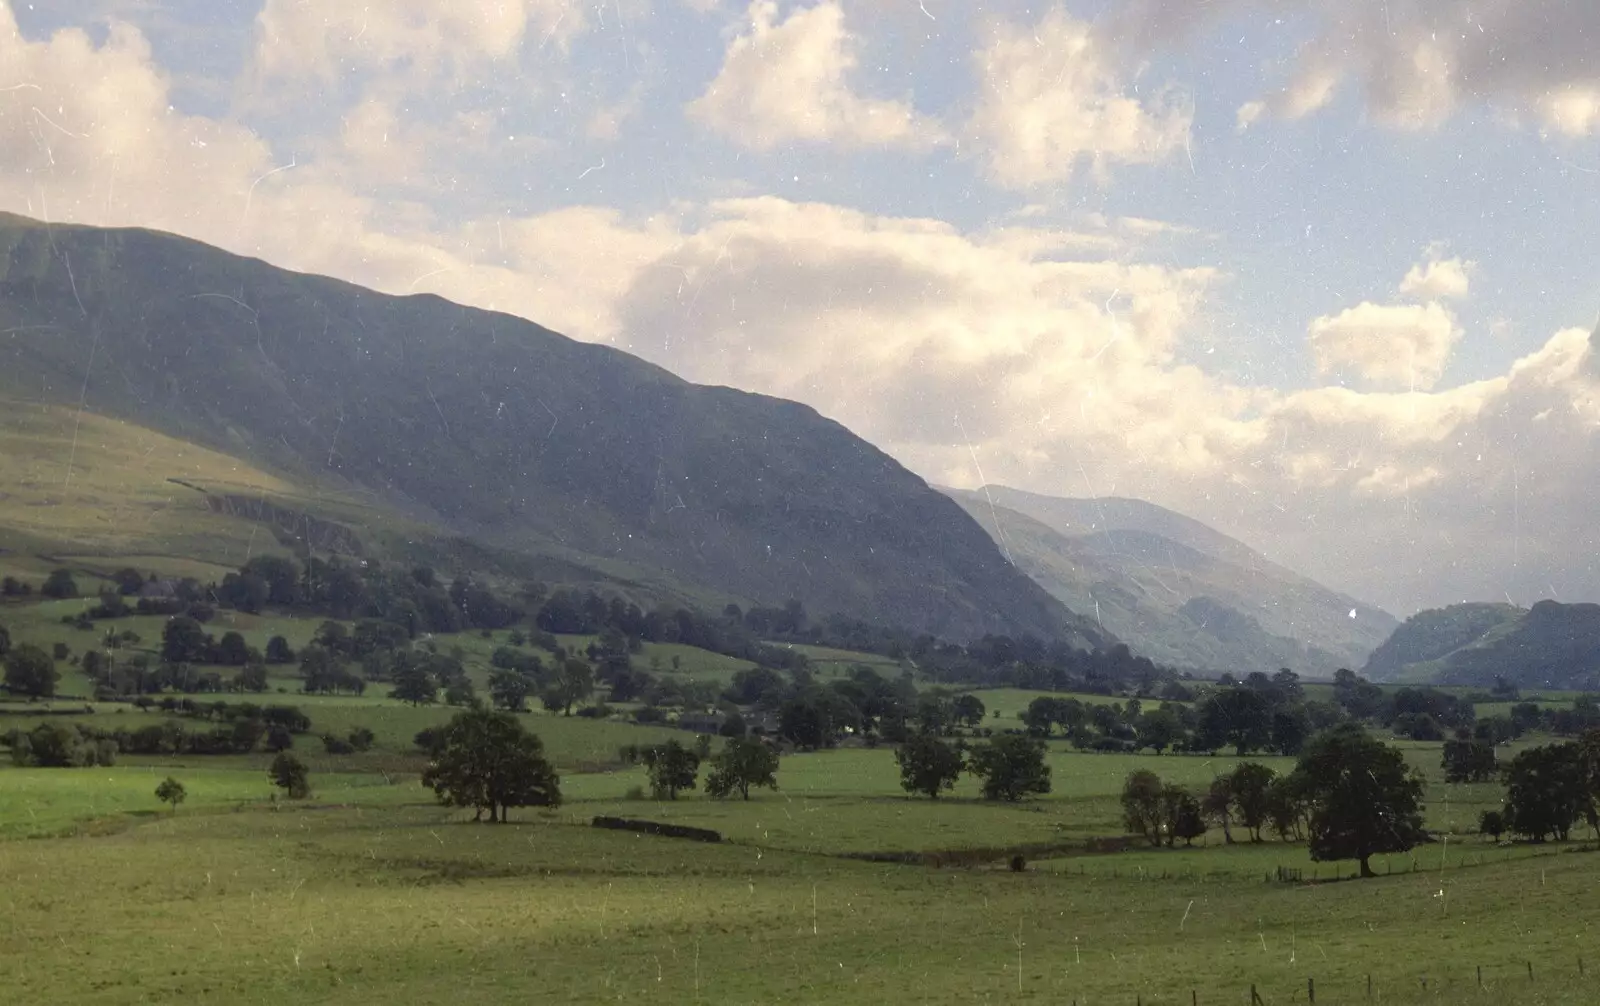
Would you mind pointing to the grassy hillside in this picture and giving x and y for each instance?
(1550, 646)
(467, 422)
(1174, 589)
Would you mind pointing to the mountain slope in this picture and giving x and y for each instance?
(481, 424)
(1550, 645)
(1175, 589)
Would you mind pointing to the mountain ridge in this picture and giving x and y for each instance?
(486, 425)
(1175, 588)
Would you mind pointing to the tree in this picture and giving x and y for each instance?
(1290, 728)
(1183, 817)
(1364, 799)
(670, 767)
(509, 689)
(969, 710)
(414, 684)
(740, 764)
(1240, 717)
(362, 738)
(485, 760)
(184, 641)
(31, 672)
(5, 641)
(1141, 805)
(928, 765)
(1492, 823)
(1547, 791)
(171, 791)
(1249, 784)
(1217, 804)
(278, 651)
(1011, 767)
(289, 774)
(460, 692)
(574, 682)
(1159, 729)
(1467, 759)
(59, 585)
(232, 651)
(1286, 807)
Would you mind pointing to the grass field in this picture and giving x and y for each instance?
(407, 904)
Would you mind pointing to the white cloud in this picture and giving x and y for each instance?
(789, 81)
(1417, 64)
(1401, 345)
(1052, 95)
(1437, 278)
(327, 39)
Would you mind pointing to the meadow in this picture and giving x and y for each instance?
(834, 887)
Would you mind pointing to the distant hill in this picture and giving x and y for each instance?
(495, 434)
(1550, 645)
(1175, 589)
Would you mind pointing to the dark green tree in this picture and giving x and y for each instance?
(741, 764)
(60, 585)
(1546, 792)
(487, 761)
(1160, 729)
(670, 767)
(232, 651)
(1237, 717)
(1364, 799)
(1249, 785)
(509, 689)
(414, 683)
(969, 710)
(928, 765)
(184, 641)
(31, 672)
(1011, 767)
(1183, 816)
(1467, 759)
(278, 651)
(572, 683)
(1492, 823)
(5, 641)
(290, 774)
(1142, 811)
(171, 791)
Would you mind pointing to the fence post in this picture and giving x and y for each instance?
(1530, 971)
(1369, 986)
(1480, 976)
(1311, 989)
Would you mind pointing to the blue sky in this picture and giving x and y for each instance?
(1134, 246)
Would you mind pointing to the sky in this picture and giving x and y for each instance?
(1321, 273)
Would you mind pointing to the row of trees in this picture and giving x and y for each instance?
(742, 764)
(1350, 796)
(1008, 767)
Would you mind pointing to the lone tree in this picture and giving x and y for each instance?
(1011, 767)
(671, 767)
(289, 774)
(1492, 823)
(171, 791)
(740, 764)
(1364, 799)
(928, 765)
(31, 672)
(485, 760)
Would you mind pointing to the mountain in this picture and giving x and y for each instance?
(1550, 645)
(1175, 589)
(481, 428)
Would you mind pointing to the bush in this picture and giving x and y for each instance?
(599, 712)
(362, 739)
(649, 714)
(337, 745)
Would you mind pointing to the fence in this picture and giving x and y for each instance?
(1499, 980)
